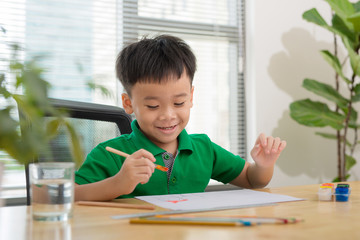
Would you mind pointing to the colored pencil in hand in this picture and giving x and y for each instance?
(120, 153)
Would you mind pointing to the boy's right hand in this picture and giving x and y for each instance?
(137, 168)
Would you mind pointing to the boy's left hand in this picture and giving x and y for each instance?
(267, 150)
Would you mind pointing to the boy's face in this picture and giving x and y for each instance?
(161, 109)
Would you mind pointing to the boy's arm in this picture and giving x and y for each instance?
(99, 191)
(265, 153)
(137, 168)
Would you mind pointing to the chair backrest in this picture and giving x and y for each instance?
(94, 123)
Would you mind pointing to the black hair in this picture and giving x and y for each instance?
(155, 60)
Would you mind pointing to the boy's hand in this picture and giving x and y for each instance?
(267, 150)
(137, 168)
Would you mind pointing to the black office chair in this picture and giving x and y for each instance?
(94, 123)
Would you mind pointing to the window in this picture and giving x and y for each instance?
(80, 39)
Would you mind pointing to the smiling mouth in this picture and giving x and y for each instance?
(168, 128)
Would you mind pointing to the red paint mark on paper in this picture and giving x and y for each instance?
(176, 201)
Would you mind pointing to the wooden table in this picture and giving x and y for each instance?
(322, 220)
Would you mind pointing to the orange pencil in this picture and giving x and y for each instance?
(113, 150)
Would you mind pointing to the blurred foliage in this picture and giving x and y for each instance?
(28, 137)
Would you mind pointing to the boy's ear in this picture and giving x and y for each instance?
(191, 95)
(126, 102)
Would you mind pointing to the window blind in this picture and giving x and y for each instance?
(80, 39)
(214, 29)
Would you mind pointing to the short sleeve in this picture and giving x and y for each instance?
(226, 165)
(98, 165)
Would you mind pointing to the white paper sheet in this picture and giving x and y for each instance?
(216, 200)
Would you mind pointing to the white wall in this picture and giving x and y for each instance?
(282, 50)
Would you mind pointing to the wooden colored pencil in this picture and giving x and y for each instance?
(120, 153)
(254, 220)
(180, 222)
(115, 204)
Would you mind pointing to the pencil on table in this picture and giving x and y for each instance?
(254, 220)
(115, 204)
(120, 153)
(214, 221)
(180, 222)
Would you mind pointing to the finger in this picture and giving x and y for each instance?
(146, 154)
(144, 177)
(276, 144)
(256, 150)
(144, 170)
(143, 153)
(150, 164)
(282, 145)
(270, 141)
(144, 163)
(262, 140)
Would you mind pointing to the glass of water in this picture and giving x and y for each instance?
(52, 190)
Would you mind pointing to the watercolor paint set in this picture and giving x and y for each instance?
(328, 192)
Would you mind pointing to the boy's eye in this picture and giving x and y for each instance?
(179, 104)
(152, 106)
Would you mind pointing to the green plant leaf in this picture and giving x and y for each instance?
(313, 16)
(326, 135)
(356, 97)
(343, 8)
(325, 91)
(8, 127)
(337, 179)
(354, 58)
(315, 114)
(104, 90)
(355, 20)
(335, 63)
(357, 6)
(2, 29)
(10, 139)
(332, 136)
(76, 149)
(353, 119)
(349, 162)
(52, 127)
(339, 25)
(3, 89)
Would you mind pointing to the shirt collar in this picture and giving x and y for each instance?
(141, 141)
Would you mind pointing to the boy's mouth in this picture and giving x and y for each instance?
(168, 128)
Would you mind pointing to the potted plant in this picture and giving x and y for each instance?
(344, 93)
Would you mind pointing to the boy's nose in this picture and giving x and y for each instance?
(167, 113)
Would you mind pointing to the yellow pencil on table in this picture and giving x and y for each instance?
(115, 204)
(214, 221)
(184, 222)
(120, 153)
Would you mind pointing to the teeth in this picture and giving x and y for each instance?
(167, 128)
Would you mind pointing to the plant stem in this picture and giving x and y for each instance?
(355, 141)
(351, 89)
(338, 135)
(343, 170)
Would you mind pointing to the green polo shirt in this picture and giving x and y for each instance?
(198, 161)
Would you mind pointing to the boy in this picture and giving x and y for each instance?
(157, 76)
